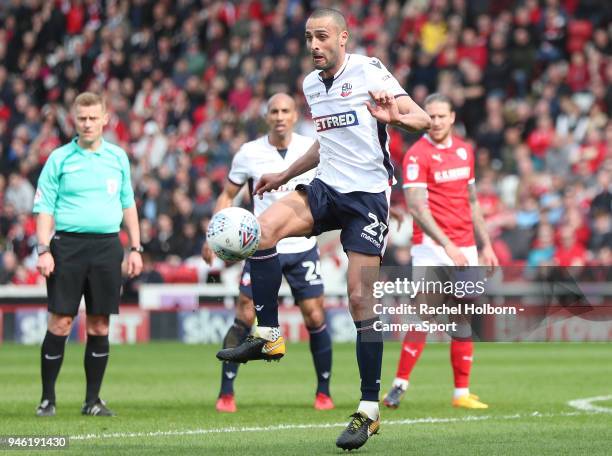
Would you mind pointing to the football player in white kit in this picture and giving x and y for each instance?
(299, 256)
(352, 98)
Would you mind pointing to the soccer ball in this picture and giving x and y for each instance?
(233, 234)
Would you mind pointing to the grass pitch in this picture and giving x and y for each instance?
(164, 395)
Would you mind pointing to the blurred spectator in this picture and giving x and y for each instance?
(603, 200)
(19, 194)
(8, 267)
(569, 252)
(543, 250)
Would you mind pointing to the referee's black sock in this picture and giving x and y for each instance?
(51, 357)
(96, 357)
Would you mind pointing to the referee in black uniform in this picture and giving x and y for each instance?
(84, 190)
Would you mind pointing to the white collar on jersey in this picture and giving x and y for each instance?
(272, 146)
(347, 57)
(448, 144)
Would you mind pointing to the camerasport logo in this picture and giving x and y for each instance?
(347, 89)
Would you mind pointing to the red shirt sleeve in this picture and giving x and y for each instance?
(415, 167)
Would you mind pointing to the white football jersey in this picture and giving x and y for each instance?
(259, 157)
(354, 145)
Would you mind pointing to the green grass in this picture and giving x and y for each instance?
(173, 387)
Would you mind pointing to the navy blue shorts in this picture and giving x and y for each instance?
(363, 217)
(302, 271)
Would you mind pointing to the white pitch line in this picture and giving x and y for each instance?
(282, 427)
(586, 404)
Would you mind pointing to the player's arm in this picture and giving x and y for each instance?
(488, 255)
(412, 117)
(416, 198)
(306, 162)
(400, 111)
(225, 200)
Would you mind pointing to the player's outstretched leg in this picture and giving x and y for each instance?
(236, 334)
(267, 343)
(412, 347)
(290, 216)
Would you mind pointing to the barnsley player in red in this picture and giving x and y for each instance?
(440, 190)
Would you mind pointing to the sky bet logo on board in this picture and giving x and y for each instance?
(340, 120)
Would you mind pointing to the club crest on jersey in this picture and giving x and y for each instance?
(340, 120)
(412, 171)
(347, 89)
(462, 153)
(111, 186)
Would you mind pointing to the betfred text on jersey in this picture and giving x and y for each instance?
(341, 120)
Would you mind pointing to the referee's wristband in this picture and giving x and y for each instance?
(138, 249)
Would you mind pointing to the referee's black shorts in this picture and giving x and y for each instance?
(85, 265)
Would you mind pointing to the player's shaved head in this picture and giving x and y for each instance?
(281, 98)
(336, 16)
(281, 116)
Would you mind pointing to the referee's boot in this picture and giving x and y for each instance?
(97, 408)
(254, 348)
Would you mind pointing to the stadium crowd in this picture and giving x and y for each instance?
(186, 84)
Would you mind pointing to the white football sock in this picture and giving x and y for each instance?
(402, 383)
(460, 392)
(370, 408)
(268, 332)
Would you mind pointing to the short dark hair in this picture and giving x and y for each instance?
(437, 97)
(336, 16)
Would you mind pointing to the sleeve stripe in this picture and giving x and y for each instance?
(235, 183)
(416, 184)
(401, 95)
(472, 180)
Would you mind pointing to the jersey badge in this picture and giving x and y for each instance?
(412, 171)
(347, 89)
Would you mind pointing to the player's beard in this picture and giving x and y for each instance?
(330, 61)
(440, 137)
